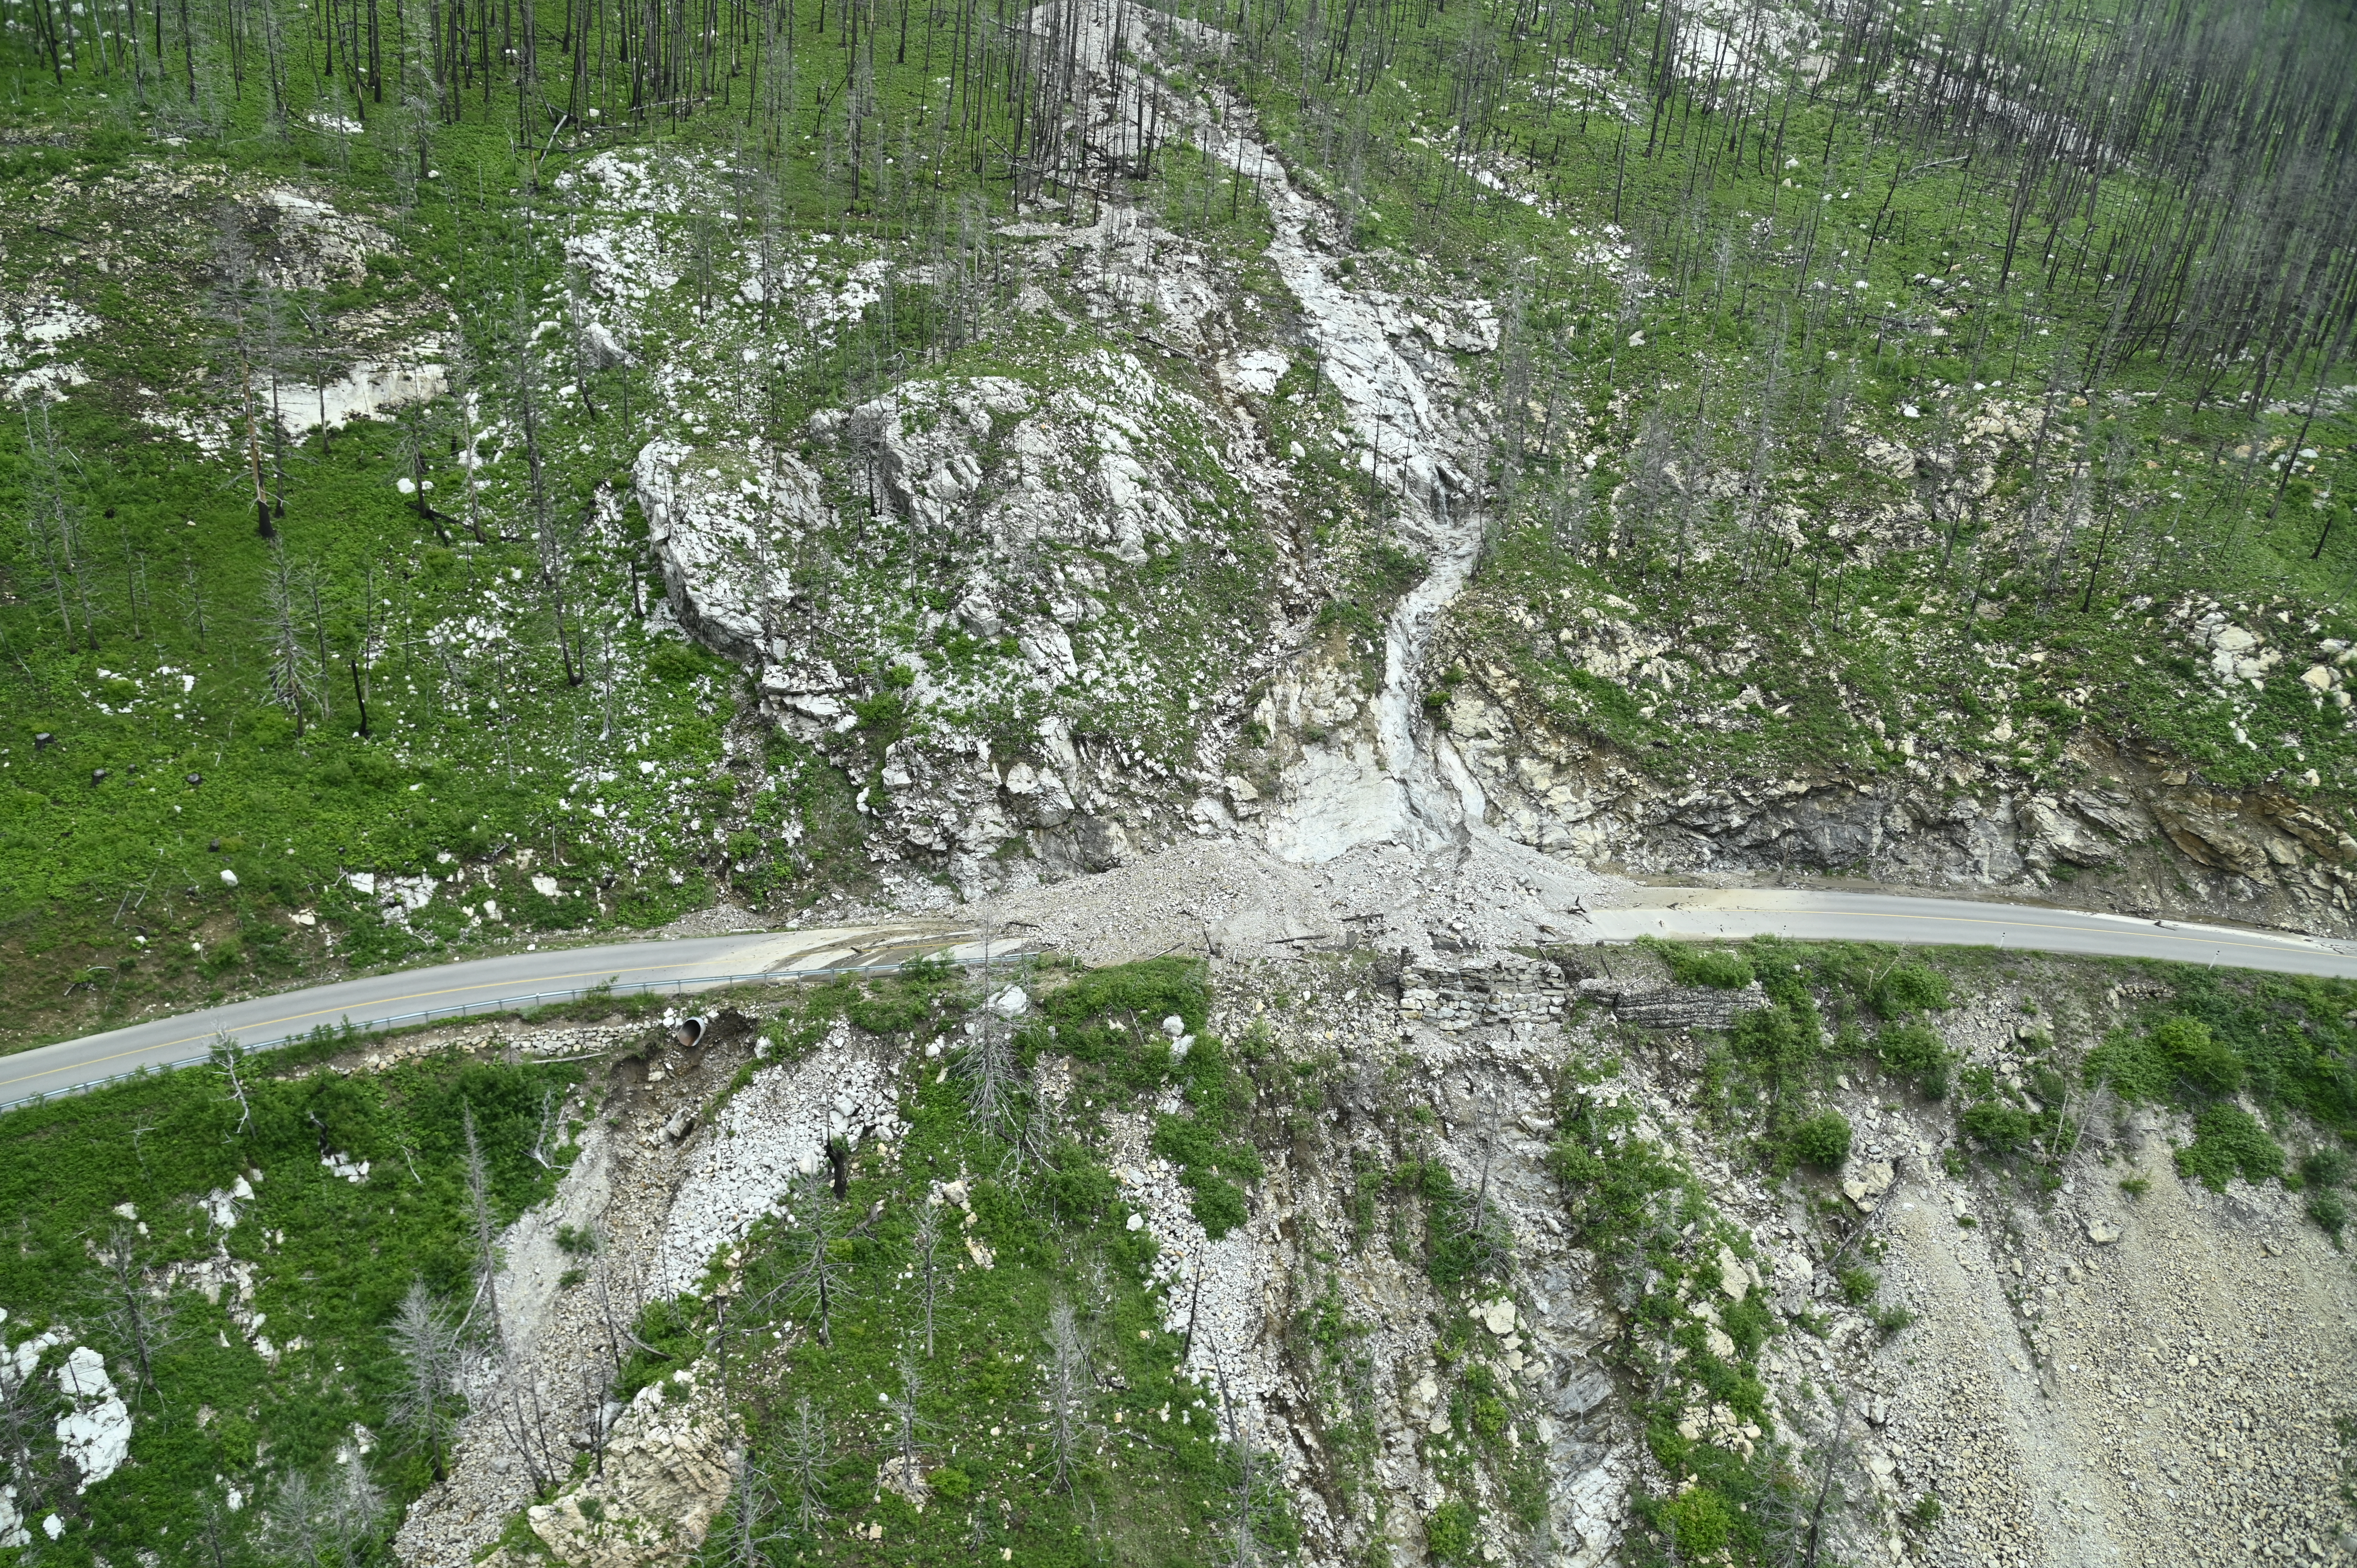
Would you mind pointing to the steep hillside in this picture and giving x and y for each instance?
(1772, 1255)
(1283, 509)
(886, 457)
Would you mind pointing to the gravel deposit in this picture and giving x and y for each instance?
(771, 1133)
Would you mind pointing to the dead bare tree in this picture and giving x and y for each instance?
(227, 1055)
(428, 1348)
(751, 1502)
(925, 1250)
(463, 398)
(1488, 1152)
(1066, 1393)
(54, 522)
(542, 1153)
(987, 1065)
(523, 1419)
(323, 1526)
(2080, 1108)
(616, 1323)
(139, 1320)
(1246, 1544)
(295, 671)
(908, 1425)
(1030, 1140)
(294, 1526)
(219, 1535)
(809, 1451)
(487, 1257)
(603, 1413)
(353, 1511)
(818, 1275)
(554, 542)
(1802, 1520)
(236, 284)
(28, 1457)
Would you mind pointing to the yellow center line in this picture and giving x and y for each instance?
(2277, 945)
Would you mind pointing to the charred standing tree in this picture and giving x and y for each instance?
(553, 544)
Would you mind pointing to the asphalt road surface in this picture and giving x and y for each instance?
(1738, 912)
(408, 996)
(1678, 912)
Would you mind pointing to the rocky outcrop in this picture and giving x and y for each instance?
(1674, 1008)
(725, 527)
(663, 1477)
(2153, 839)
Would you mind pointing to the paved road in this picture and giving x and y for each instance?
(1737, 912)
(1687, 912)
(480, 983)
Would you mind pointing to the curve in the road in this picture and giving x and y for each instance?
(1687, 913)
(478, 985)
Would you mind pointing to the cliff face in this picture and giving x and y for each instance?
(1949, 800)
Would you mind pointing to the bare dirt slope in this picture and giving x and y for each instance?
(2164, 1397)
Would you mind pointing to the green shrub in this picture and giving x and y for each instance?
(951, 1484)
(1218, 1206)
(1927, 1512)
(905, 1001)
(1077, 1188)
(1573, 1164)
(1184, 1141)
(2227, 1141)
(1857, 1284)
(2208, 1064)
(668, 1337)
(1697, 1521)
(1449, 1534)
(1748, 1323)
(1782, 1036)
(2326, 1166)
(1611, 1185)
(1187, 1142)
(676, 661)
(1670, 1446)
(1910, 988)
(2330, 1211)
(1148, 990)
(1821, 1141)
(1728, 1384)
(1915, 1052)
(1999, 1128)
(2176, 1055)
(1703, 966)
(1455, 1253)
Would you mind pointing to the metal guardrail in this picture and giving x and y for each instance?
(350, 1030)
